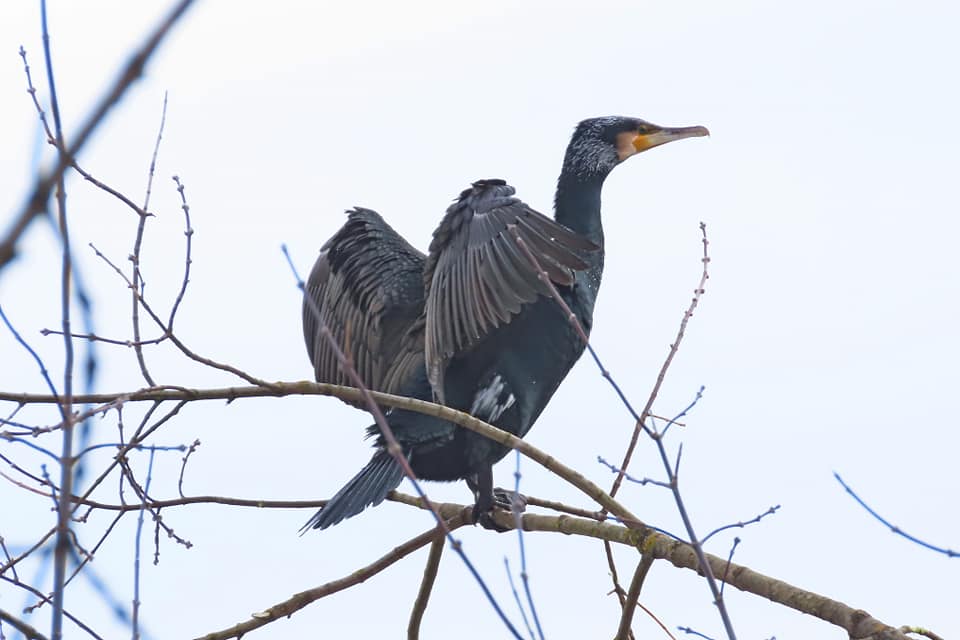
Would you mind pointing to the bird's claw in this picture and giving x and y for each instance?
(504, 500)
(509, 500)
(487, 521)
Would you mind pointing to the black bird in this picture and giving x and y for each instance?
(470, 325)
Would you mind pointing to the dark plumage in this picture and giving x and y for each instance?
(368, 286)
(470, 325)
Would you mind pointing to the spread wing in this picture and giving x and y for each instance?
(477, 278)
(367, 287)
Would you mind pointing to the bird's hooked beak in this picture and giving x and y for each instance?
(633, 142)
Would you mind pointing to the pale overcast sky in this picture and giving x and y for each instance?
(826, 340)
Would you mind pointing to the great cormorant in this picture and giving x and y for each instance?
(470, 325)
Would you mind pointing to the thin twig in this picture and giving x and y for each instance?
(640, 425)
(739, 525)
(6, 554)
(133, 69)
(726, 570)
(92, 337)
(35, 447)
(675, 419)
(154, 504)
(894, 528)
(693, 541)
(62, 539)
(641, 419)
(302, 599)
(920, 631)
(142, 495)
(139, 447)
(28, 632)
(137, 279)
(653, 616)
(524, 575)
(620, 592)
(137, 438)
(693, 632)
(156, 151)
(562, 508)
(51, 139)
(88, 557)
(633, 595)
(27, 552)
(43, 368)
(173, 338)
(183, 467)
(79, 290)
(516, 598)
(135, 611)
(426, 586)
(188, 259)
(75, 620)
(641, 481)
(13, 414)
(255, 503)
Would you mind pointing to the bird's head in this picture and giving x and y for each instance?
(600, 144)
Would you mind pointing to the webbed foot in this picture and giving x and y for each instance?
(486, 499)
(509, 500)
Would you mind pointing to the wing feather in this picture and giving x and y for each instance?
(510, 300)
(477, 278)
(486, 308)
(366, 287)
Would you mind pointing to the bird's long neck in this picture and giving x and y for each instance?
(578, 208)
(577, 205)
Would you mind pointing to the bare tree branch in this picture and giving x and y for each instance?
(38, 593)
(648, 407)
(620, 592)
(302, 599)
(137, 248)
(640, 424)
(950, 553)
(37, 202)
(279, 389)
(51, 139)
(574, 520)
(426, 586)
(61, 546)
(28, 632)
(633, 595)
(857, 623)
(920, 631)
(563, 508)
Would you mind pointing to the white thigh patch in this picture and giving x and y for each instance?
(491, 401)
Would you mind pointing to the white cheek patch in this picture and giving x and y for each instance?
(491, 401)
(625, 146)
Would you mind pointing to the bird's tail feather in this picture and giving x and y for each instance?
(369, 487)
